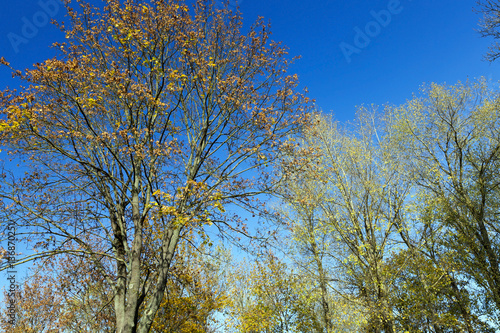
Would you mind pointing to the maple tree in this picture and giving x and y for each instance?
(450, 139)
(152, 119)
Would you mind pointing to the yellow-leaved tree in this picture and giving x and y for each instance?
(269, 296)
(450, 140)
(152, 119)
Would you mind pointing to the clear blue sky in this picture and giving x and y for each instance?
(425, 41)
(421, 41)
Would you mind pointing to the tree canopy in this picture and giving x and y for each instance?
(164, 134)
(151, 118)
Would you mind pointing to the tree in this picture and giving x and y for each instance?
(490, 26)
(450, 138)
(361, 198)
(370, 232)
(150, 120)
(195, 294)
(430, 294)
(313, 245)
(63, 293)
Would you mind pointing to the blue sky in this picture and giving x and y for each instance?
(426, 41)
(419, 41)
